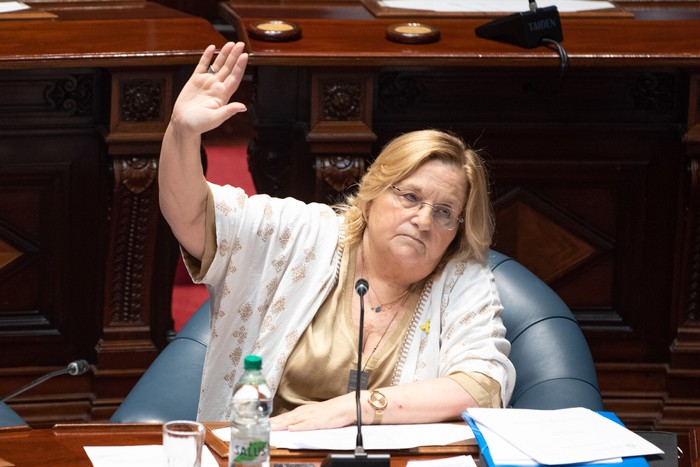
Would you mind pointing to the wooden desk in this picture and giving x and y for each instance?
(63, 446)
(596, 172)
(695, 447)
(86, 262)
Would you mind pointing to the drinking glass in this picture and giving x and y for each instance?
(183, 441)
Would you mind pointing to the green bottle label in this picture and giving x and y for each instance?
(254, 450)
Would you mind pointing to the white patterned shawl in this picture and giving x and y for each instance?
(277, 260)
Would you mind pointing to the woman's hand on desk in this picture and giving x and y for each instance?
(333, 413)
(406, 403)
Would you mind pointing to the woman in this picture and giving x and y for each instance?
(281, 276)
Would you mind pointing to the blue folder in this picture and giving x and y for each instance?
(485, 459)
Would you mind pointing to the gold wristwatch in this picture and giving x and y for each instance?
(378, 402)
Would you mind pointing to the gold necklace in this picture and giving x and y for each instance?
(381, 306)
(385, 306)
(405, 297)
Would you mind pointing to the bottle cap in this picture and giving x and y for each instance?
(252, 362)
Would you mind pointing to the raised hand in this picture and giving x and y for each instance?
(203, 103)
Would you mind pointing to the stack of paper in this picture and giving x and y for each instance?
(8, 7)
(138, 456)
(377, 437)
(516, 437)
(489, 6)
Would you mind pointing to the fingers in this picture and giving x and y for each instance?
(303, 422)
(217, 65)
(228, 59)
(280, 422)
(237, 68)
(227, 68)
(231, 109)
(205, 59)
(317, 415)
(305, 425)
(290, 420)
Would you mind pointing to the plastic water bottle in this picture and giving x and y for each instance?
(250, 420)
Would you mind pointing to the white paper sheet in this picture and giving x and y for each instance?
(491, 6)
(152, 455)
(504, 453)
(456, 461)
(565, 436)
(9, 7)
(374, 437)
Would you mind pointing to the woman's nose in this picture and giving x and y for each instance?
(424, 216)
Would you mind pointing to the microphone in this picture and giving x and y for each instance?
(361, 287)
(360, 456)
(527, 29)
(74, 368)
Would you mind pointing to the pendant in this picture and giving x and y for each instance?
(378, 309)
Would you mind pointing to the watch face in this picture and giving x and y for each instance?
(378, 400)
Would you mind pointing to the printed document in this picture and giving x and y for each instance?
(564, 436)
(9, 7)
(383, 437)
(489, 6)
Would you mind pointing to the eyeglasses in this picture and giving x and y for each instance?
(442, 215)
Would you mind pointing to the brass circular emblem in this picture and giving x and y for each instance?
(412, 33)
(274, 30)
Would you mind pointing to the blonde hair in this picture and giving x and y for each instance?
(400, 158)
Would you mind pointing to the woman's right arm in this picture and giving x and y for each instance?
(203, 104)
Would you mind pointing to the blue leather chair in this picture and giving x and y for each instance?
(552, 359)
(551, 356)
(9, 417)
(169, 390)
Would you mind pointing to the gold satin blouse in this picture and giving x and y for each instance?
(319, 366)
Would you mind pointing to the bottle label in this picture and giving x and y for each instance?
(254, 453)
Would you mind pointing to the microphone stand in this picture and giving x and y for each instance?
(360, 456)
(74, 368)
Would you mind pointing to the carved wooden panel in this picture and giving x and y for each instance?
(51, 229)
(336, 175)
(341, 129)
(62, 97)
(341, 104)
(86, 260)
(689, 260)
(82, 243)
(585, 207)
(141, 105)
(204, 8)
(52, 234)
(528, 96)
(141, 102)
(684, 367)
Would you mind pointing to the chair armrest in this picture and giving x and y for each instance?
(552, 359)
(169, 390)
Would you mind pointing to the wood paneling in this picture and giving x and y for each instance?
(86, 261)
(204, 8)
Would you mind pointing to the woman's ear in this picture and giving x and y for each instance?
(365, 211)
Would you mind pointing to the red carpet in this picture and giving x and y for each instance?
(226, 165)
